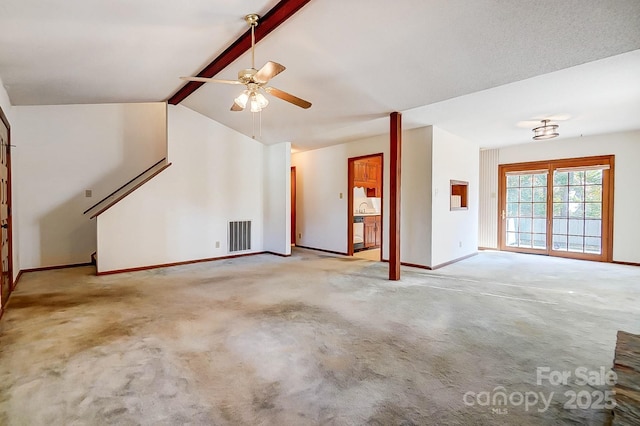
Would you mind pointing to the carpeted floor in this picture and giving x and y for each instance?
(371, 254)
(315, 339)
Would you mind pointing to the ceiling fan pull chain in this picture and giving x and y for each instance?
(253, 125)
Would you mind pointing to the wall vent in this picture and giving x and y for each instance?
(239, 236)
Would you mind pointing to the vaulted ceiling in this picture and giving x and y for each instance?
(484, 69)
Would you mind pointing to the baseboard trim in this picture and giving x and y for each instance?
(278, 254)
(617, 262)
(442, 265)
(15, 282)
(186, 262)
(323, 250)
(51, 268)
(415, 265)
(433, 268)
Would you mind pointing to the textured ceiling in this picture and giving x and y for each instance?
(101, 51)
(355, 60)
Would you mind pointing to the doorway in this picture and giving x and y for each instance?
(558, 208)
(6, 258)
(364, 206)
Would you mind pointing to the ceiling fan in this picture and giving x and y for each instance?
(255, 80)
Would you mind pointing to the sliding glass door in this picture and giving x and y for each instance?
(560, 208)
(577, 211)
(525, 213)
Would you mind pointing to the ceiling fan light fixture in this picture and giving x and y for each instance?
(241, 100)
(255, 107)
(261, 100)
(258, 101)
(546, 131)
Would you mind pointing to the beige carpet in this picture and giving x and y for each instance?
(310, 339)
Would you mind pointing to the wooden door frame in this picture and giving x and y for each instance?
(5, 120)
(293, 205)
(350, 179)
(608, 176)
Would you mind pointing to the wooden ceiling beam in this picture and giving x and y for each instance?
(269, 22)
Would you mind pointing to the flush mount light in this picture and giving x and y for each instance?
(546, 131)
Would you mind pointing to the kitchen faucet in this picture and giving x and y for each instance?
(360, 209)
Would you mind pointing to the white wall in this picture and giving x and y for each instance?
(216, 177)
(63, 151)
(5, 103)
(322, 176)
(321, 215)
(415, 196)
(277, 198)
(626, 148)
(455, 233)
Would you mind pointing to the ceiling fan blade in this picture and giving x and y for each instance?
(236, 107)
(268, 71)
(210, 80)
(288, 97)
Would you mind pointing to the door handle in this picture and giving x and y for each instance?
(5, 226)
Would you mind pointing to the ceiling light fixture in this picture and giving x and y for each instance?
(546, 131)
(241, 100)
(258, 102)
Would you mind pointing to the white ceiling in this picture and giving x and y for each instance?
(475, 68)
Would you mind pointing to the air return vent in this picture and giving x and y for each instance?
(239, 236)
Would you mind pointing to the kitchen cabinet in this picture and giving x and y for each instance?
(359, 173)
(372, 231)
(367, 173)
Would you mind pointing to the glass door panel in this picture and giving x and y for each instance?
(525, 214)
(577, 211)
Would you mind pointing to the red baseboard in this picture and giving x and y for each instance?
(15, 282)
(625, 263)
(186, 262)
(323, 250)
(442, 265)
(50, 268)
(278, 254)
(433, 268)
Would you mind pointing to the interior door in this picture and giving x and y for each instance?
(6, 278)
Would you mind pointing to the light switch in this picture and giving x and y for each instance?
(341, 195)
(88, 193)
